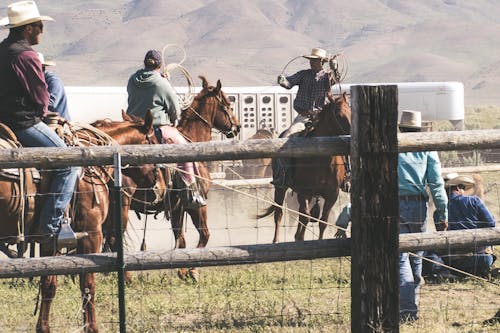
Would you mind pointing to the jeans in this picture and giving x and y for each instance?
(413, 216)
(63, 179)
(477, 264)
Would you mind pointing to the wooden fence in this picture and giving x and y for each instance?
(374, 146)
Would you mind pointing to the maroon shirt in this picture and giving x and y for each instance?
(24, 96)
(29, 71)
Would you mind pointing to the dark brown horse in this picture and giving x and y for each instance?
(318, 176)
(90, 209)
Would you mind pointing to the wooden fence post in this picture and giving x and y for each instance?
(375, 209)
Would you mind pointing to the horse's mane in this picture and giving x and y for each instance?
(335, 108)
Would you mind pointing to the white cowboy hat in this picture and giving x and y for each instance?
(410, 119)
(466, 181)
(316, 53)
(22, 13)
(44, 61)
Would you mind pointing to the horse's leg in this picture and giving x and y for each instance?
(279, 198)
(178, 228)
(177, 221)
(327, 207)
(303, 219)
(92, 207)
(48, 287)
(87, 282)
(200, 218)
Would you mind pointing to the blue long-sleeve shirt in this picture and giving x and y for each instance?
(468, 212)
(416, 170)
(57, 101)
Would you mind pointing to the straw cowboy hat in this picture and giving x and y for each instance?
(316, 53)
(410, 119)
(44, 61)
(465, 181)
(22, 13)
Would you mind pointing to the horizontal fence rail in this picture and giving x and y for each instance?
(237, 255)
(236, 150)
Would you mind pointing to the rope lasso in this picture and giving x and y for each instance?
(187, 98)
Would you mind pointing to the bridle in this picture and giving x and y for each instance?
(224, 107)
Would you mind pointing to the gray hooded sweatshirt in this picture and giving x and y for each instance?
(148, 90)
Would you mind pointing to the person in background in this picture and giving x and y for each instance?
(24, 101)
(343, 221)
(149, 90)
(314, 89)
(58, 101)
(466, 212)
(416, 171)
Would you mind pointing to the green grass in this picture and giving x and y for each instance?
(301, 296)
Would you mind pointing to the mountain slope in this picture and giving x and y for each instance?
(247, 43)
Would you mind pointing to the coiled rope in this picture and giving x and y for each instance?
(336, 64)
(185, 99)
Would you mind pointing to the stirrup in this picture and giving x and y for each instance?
(67, 238)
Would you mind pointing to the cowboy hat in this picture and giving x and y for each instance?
(316, 53)
(22, 13)
(410, 119)
(44, 61)
(465, 181)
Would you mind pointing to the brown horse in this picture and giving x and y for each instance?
(18, 200)
(210, 109)
(90, 209)
(318, 176)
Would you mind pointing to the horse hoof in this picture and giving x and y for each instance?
(182, 273)
(194, 274)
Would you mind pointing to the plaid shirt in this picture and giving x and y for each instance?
(312, 89)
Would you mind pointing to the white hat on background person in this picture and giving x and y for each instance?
(44, 61)
(316, 53)
(22, 13)
(449, 176)
(466, 181)
(410, 119)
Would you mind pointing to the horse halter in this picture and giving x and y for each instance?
(234, 129)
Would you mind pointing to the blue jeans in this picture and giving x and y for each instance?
(412, 219)
(477, 264)
(63, 179)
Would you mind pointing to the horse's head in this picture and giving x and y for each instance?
(213, 108)
(336, 116)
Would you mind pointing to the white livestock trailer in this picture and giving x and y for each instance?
(271, 107)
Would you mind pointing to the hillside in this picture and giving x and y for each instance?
(247, 43)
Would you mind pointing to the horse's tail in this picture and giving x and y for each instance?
(268, 212)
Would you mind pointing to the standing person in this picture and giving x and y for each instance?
(149, 90)
(58, 101)
(24, 100)
(314, 89)
(416, 170)
(468, 212)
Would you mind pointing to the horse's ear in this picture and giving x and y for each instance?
(344, 96)
(125, 116)
(148, 120)
(204, 82)
(219, 87)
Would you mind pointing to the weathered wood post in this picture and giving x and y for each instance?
(375, 209)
